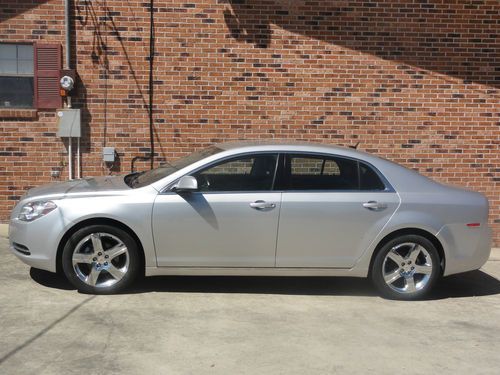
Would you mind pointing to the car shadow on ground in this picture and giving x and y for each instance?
(470, 284)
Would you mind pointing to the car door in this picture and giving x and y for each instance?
(231, 221)
(332, 208)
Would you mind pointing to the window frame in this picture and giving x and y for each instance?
(286, 173)
(23, 75)
(280, 177)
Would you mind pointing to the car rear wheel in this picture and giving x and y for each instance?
(101, 259)
(406, 268)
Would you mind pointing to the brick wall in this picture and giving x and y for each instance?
(415, 81)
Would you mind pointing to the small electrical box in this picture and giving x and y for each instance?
(108, 154)
(68, 121)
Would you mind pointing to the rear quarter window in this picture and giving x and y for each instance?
(369, 179)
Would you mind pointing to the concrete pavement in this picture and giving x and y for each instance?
(4, 230)
(244, 325)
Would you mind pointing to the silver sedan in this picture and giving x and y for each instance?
(247, 208)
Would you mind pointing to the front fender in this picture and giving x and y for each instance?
(132, 213)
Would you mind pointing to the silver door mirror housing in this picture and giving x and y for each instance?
(185, 184)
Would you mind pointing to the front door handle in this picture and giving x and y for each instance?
(262, 205)
(374, 206)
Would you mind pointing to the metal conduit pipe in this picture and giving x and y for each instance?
(67, 65)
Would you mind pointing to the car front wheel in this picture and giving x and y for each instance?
(406, 268)
(101, 259)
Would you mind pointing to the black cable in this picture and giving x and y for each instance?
(151, 91)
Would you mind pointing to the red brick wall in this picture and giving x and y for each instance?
(415, 81)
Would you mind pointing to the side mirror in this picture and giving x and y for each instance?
(186, 184)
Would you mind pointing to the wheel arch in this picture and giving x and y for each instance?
(408, 231)
(97, 221)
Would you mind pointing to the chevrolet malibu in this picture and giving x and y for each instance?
(259, 209)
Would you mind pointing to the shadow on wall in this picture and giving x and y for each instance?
(9, 9)
(88, 16)
(459, 39)
(100, 19)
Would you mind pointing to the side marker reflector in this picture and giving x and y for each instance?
(474, 224)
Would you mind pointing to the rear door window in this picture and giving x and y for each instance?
(320, 172)
(317, 172)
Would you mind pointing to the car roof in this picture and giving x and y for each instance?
(274, 142)
(288, 145)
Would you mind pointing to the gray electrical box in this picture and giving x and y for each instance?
(108, 154)
(68, 121)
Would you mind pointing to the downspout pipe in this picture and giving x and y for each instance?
(67, 26)
(67, 60)
(67, 65)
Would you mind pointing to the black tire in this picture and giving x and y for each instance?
(107, 235)
(394, 289)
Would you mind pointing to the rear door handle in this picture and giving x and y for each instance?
(262, 205)
(374, 206)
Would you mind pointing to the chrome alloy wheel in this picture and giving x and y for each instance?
(407, 268)
(100, 260)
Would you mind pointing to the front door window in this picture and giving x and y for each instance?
(244, 173)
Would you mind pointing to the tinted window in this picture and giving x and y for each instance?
(321, 173)
(369, 179)
(246, 173)
(312, 166)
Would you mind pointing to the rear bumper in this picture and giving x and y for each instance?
(466, 248)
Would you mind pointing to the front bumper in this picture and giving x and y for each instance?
(36, 242)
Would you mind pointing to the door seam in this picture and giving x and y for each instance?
(278, 231)
(376, 238)
(153, 230)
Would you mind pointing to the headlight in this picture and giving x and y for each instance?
(34, 210)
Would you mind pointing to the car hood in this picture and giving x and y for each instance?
(80, 187)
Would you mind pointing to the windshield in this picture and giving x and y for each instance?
(140, 179)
